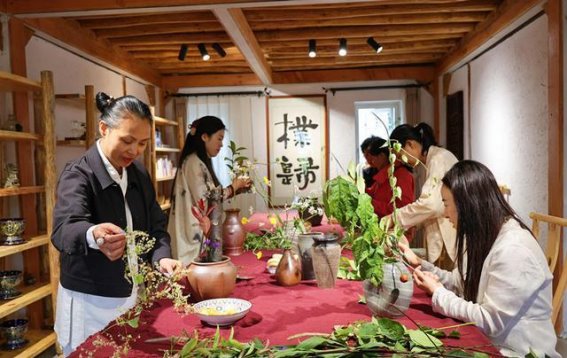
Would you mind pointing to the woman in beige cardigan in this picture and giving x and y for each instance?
(194, 179)
(419, 144)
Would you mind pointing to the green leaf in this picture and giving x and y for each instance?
(391, 329)
(188, 347)
(134, 322)
(422, 339)
(311, 343)
(455, 334)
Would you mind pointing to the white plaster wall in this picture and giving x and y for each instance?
(426, 110)
(459, 82)
(70, 74)
(509, 115)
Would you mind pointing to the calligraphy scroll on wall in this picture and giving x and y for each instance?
(297, 147)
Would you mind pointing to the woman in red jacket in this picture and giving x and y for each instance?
(376, 155)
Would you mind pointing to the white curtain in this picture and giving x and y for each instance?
(238, 113)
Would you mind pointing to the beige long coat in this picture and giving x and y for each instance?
(428, 209)
(192, 183)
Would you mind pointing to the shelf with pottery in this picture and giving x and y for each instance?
(29, 294)
(38, 341)
(27, 302)
(35, 241)
(86, 100)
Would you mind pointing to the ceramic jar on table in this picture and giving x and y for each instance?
(326, 253)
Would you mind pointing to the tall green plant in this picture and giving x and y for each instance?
(345, 199)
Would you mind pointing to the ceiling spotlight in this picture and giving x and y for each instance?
(375, 45)
(342, 47)
(182, 52)
(203, 50)
(218, 48)
(312, 48)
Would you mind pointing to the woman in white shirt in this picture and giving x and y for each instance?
(419, 145)
(502, 283)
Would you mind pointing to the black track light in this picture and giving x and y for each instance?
(342, 47)
(203, 50)
(182, 52)
(375, 45)
(218, 48)
(312, 48)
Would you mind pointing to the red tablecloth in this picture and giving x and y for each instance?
(260, 221)
(279, 312)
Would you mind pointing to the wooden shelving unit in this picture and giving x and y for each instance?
(36, 200)
(173, 137)
(87, 101)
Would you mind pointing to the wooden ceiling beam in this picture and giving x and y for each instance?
(400, 19)
(174, 82)
(197, 64)
(171, 39)
(273, 45)
(357, 54)
(507, 13)
(58, 8)
(362, 31)
(243, 37)
(357, 4)
(70, 33)
(363, 47)
(141, 30)
(371, 60)
(309, 13)
(231, 54)
(197, 70)
(422, 74)
(133, 20)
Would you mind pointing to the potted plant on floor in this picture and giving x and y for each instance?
(387, 285)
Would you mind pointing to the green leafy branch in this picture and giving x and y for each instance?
(359, 339)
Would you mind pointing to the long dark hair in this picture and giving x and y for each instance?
(113, 111)
(421, 133)
(482, 210)
(194, 143)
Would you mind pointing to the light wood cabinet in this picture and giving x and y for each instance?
(35, 204)
(172, 138)
(86, 101)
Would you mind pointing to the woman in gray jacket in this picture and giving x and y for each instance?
(502, 283)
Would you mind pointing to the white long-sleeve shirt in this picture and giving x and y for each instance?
(428, 209)
(514, 295)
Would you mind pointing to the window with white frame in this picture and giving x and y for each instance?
(376, 118)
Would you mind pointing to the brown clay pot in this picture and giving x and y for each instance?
(233, 234)
(211, 279)
(288, 272)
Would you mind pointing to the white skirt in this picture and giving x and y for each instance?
(79, 315)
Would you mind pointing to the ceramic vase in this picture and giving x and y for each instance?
(211, 279)
(393, 296)
(326, 253)
(305, 248)
(233, 234)
(288, 272)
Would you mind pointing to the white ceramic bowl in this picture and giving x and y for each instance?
(222, 311)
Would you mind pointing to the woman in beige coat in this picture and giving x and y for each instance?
(194, 179)
(419, 145)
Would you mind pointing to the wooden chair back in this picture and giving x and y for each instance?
(554, 226)
(558, 295)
